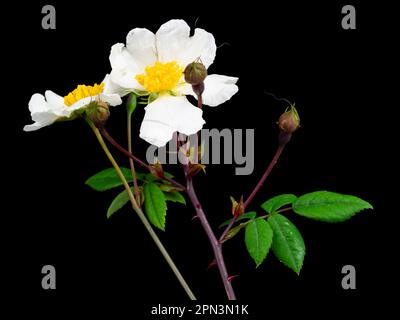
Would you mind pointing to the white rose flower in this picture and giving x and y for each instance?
(153, 64)
(51, 107)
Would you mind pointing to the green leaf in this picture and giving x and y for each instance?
(119, 201)
(258, 238)
(108, 179)
(329, 206)
(149, 177)
(168, 175)
(277, 202)
(155, 204)
(174, 197)
(233, 232)
(168, 187)
(287, 244)
(248, 215)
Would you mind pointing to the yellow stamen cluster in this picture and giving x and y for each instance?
(160, 77)
(81, 92)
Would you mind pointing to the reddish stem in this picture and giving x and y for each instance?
(110, 139)
(265, 175)
(257, 187)
(215, 244)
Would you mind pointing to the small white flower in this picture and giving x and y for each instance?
(154, 63)
(51, 107)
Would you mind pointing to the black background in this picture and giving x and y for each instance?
(299, 52)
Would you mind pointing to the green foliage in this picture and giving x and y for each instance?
(108, 179)
(287, 244)
(258, 238)
(329, 206)
(278, 202)
(175, 197)
(155, 192)
(149, 177)
(233, 232)
(155, 204)
(248, 215)
(167, 187)
(119, 201)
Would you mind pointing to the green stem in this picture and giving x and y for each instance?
(142, 215)
(131, 163)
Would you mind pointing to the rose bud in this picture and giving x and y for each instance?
(156, 169)
(98, 112)
(289, 121)
(195, 73)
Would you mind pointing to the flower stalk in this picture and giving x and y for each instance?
(111, 140)
(215, 244)
(131, 163)
(265, 175)
(141, 214)
(288, 123)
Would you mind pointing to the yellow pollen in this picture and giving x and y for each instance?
(160, 77)
(81, 92)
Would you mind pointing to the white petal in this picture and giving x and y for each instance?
(120, 57)
(111, 99)
(69, 110)
(110, 87)
(174, 43)
(124, 68)
(42, 113)
(37, 103)
(141, 44)
(54, 99)
(168, 114)
(156, 133)
(218, 89)
(201, 45)
(34, 126)
(172, 38)
(126, 80)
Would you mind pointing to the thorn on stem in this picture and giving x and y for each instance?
(212, 264)
(230, 278)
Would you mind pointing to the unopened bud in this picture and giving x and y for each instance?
(196, 168)
(237, 207)
(98, 112)
(131, 103)
(157, 170)
(289, 121)
(195, 73)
